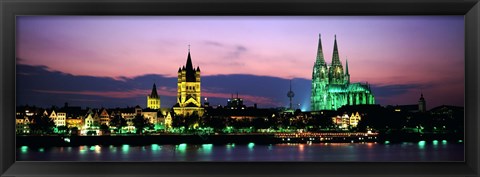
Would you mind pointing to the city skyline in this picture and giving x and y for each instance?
(122, 50)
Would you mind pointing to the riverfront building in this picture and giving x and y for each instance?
(188, 90)
(331, 87)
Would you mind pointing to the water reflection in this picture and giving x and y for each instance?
(420, 151)
(82, 150)
(301, 148)
(125, 148)
(421, 144)
(155, 147)
(97, 149)
(24, 149)
(251, 146)
(207, 148)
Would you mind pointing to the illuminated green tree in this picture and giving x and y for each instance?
(62, 129)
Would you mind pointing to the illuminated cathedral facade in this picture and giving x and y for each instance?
(331, 87)
(188, 90)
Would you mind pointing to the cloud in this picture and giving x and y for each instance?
(47, 88)
(232, 51)
(108, 94)
(85, 100)
(42, 87)
(391, 90)
(213, 43)
(237, 52)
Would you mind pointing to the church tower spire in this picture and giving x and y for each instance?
(153, 100)
(346, 66)
(189, 71)
(336, 75)
(189, 65)
(335, 57)
(320, 60)
(347, 75)
(154, 92)
(319, 79)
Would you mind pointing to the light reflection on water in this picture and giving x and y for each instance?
(407, 151)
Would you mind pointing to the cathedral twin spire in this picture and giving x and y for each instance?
(336, 73)
(335, 57)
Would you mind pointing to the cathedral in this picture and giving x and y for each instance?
(331, 87)
(188, 90)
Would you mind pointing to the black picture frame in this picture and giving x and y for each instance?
(11, 8)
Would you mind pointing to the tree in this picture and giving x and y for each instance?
(118, 122)
(217, 123)
(62, 129)
(241, 123)
(192, 120)
(260, 123)
(74, 131)
(42, 124)
(178, 121)
(104, 128)
(140, 122)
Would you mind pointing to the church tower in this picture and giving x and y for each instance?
(153, 100)
(319, 79)
(188, 90)
(335, 72)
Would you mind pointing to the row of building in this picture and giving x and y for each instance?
(90, 119)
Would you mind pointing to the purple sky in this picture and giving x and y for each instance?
(426, 51)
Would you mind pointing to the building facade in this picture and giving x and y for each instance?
(331, 87)
(188, 90)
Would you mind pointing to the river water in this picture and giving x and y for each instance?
(321, 152)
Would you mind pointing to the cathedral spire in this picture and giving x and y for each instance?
(335, 57)
(320, 58)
